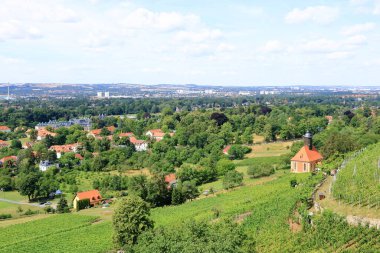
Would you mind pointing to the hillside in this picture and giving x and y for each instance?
(358, 181)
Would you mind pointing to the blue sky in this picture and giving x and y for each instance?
(199, 41)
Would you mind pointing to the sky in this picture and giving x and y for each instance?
(209, 42)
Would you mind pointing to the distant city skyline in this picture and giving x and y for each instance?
(227, 43)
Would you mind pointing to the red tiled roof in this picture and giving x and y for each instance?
(129, 134)
(307, 155)
(6, 158)
(98, 131)
(226, 149)
(170, 178)
(64, 148)
(93, 195)
(157, 133)
(4, 143)
(135, 141)
(95, 131)
(4, 128)
(43, 133)
(111, 129)
(79, 156)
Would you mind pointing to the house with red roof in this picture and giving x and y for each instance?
(61, 149)
(226, 149)
(10, 160)
(329, 119)
(307, 158)
(93, 196)
(43, 132)
(140, 145)
(5, 129)
(4, 144)
(156, 134)
(171, 180)
(96, 132)
(128, 134)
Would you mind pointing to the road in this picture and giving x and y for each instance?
(19, 203)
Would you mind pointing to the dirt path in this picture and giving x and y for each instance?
(18, 203)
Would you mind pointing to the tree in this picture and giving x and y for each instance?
(28, 184)
(220, 118)
(238, 151)
(232, 179)
(130, 219)
(5, 183)
(15, 144)
(33, 135)
(223, 166)
(62, 206)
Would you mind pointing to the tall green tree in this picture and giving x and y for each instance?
(130, 219)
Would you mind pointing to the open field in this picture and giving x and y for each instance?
(9, 208)
(270, 149)
(13, 195)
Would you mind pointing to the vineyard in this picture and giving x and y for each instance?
(59, 233)
(263, 210)
(358, 179)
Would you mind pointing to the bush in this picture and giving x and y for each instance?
(260, 171)
(5, 216)
(232, 179)
(82, 204)
(30, 212)
(224, 166)
(238, 151)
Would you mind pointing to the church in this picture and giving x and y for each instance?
(307, 159)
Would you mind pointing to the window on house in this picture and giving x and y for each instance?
(304, 166)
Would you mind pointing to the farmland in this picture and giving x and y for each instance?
(358, 182)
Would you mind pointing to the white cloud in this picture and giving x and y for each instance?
(16, 30)
(224, 47)
(164, 21)
(339, 55)
(376, 9)
(356, 40)
(199, 36)
(272, 46)
(359, 28)
(37, 10)
(317, 14)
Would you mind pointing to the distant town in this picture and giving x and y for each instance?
(123, 90)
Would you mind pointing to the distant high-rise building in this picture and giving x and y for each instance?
(99, 94)
(107, 94)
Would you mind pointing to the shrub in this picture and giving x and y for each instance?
(5, 216)
(224, 166)
(232, 179)
(260, 171)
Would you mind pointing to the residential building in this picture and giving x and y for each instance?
(42, 133)
(45, 165)
(61, 149)
(5, 129)
(93, 196)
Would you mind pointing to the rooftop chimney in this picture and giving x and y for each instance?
(308, 140)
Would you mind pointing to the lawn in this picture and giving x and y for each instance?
(9, 208)
(13, 195)
(270, 149)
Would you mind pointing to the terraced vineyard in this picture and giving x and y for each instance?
(358, 181)
(59, 233)
(263, 210)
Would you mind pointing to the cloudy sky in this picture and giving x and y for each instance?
(235, 42)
